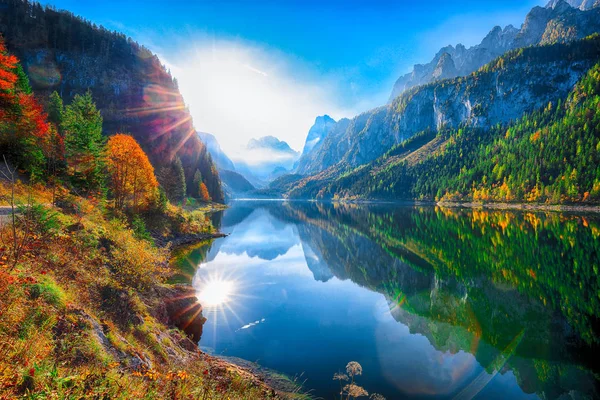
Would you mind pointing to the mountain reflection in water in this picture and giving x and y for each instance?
(432, 302)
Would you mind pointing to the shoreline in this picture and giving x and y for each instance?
(187, 239)
(582, 208)
(523, 207)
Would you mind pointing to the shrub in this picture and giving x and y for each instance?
(136, 263)
(139, 229)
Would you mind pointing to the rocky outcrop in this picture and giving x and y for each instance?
(445, 68)
(316, 134)
(178, 306)
(557, 22)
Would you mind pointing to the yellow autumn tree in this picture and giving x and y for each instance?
(132, 176)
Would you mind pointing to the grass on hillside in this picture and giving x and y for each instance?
(80, 311)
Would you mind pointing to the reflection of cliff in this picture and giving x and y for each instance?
(314, 258)
(474, 281)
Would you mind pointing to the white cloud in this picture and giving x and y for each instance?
(238, 91)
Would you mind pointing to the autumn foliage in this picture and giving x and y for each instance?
(204, 195)
(8, 77)
(24, 130)
(131, 175)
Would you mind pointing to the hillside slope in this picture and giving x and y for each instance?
(131, 87)
(221, 160)
(234, 183)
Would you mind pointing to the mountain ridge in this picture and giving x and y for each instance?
(543, 25)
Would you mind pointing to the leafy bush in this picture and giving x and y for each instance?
(139, 229)
(136, 263)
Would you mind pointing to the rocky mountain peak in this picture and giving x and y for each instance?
(323, 119)
(316, 134)
(583, 5)
(445, 68)
(559, 21)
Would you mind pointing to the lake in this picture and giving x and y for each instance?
(432, 302)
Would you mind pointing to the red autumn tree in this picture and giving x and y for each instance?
(24, 130)
(8, 77)
(132, 176)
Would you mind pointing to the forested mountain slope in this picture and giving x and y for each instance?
(550, 154)
(130, 86)
(521, 81)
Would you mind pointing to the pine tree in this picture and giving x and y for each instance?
(195, 190)
(55, 109)
(172, 180)
(22, 80)
(84, 144)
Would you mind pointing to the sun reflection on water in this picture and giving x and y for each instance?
(215, 292)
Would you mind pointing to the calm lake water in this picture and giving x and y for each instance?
(433, 302)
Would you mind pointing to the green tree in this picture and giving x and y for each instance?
(84, 143)
(195, 192)
(22, 81)
(172, 180)
(55, 109)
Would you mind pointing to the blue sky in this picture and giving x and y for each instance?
(335, 57)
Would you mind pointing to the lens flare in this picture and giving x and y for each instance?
(215, 292)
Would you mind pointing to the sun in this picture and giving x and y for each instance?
(215, 292)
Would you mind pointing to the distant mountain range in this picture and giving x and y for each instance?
(583, 5)
(265, 159)
(270, 143)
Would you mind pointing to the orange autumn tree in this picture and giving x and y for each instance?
(204, 195)
(132, 176)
